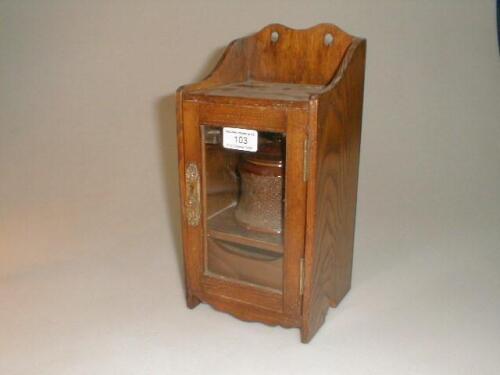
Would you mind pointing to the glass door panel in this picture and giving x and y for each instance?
(244, 181)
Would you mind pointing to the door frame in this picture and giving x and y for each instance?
(241, 299)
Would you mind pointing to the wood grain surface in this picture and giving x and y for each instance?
(333, 191)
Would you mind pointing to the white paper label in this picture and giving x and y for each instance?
(240, 139)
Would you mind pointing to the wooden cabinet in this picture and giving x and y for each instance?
(268, 162)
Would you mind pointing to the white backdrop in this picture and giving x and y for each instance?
(90, 279)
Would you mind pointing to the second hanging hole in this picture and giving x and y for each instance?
(275, 36)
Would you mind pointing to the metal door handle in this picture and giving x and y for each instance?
(193, 208)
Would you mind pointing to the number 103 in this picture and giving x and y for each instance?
(240, 139)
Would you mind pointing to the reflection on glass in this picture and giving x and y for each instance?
(244, 196)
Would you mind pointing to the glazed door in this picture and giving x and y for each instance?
(245, 204)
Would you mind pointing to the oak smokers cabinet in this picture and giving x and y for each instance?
(268, 163)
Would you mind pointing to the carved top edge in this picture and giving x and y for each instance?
(234, 54)
(320, 26)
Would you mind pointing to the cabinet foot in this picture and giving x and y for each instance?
(306, 335)
(192, 301)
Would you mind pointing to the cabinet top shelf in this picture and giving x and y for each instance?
(261, 90)
(278, 63)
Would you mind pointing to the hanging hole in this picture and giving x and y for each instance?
(328, 39)
(275, 36)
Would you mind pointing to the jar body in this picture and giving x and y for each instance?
(260, 206)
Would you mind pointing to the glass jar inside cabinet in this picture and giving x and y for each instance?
(245, 199)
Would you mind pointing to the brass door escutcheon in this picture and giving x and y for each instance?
(193, 194)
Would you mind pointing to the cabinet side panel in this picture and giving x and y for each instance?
(335, 190)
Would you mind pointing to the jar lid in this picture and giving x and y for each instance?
(268, 155)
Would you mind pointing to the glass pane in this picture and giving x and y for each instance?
(244, 200)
